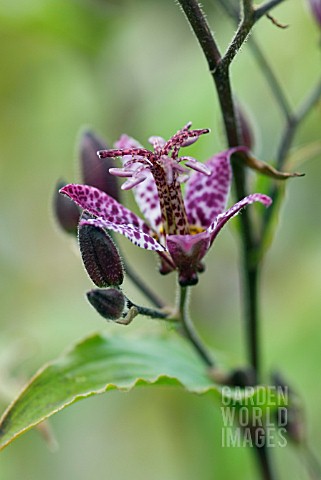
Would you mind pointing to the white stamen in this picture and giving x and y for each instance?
(121, 172)
(133, 182)
(190, 141)
(195, 165)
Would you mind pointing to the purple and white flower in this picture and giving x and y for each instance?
(180, 230)
(315, 6)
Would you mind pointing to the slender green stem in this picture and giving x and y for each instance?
(247, 7)
(286, 142)
(252, 316)
(276, 89)
(150, 312)
(264, 462)
(143, 287)
(266, 7)
(188, 328)
(297, 118)
(220, 74)
(221, 78)
(244, 28)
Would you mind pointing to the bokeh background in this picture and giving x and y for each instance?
(134, 66)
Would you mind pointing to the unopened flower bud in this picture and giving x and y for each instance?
(95, 170)
(315, 6)
(100, 256)
(246, 130)
(110, 303)
(291, 416)
(242, 377)
(66, 212)
(239, 377)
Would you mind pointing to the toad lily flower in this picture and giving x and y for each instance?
(180, 231)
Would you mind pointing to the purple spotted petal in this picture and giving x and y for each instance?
(187, 251)
(206, 196)
(146, 194)
(100, 204)
(147, 199)
(221, 220)
(136, 236)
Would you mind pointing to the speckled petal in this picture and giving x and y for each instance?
(100, 204)
(146, 194)
(206, 196)
(136, 236)
(147, 199)
(221, 220)
(133, 182)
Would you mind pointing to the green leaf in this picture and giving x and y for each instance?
(99, 364)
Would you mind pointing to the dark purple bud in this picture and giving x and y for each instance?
(95, 170)
(246, 130)
(110, 303)
(241, 377)
(291, 416)
(66, 212)
(315, 6)
(279, 381)
(100, 256)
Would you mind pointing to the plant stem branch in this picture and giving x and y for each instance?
(150, 312)
(287, 138)
(244, 28)
(188, 328)
(143, 287)
(265, 8)
(221, 78)
(200, 27)
(291, 127)
(220, 74)
(275, 87)
(264, 461)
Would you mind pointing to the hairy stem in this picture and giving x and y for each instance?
(143, 287)
(220, 74)
(271, 79)
(219, 69)
(150, 312)
(188, 328)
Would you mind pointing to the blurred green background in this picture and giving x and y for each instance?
(135, 67)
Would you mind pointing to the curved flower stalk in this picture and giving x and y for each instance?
(180, 230)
